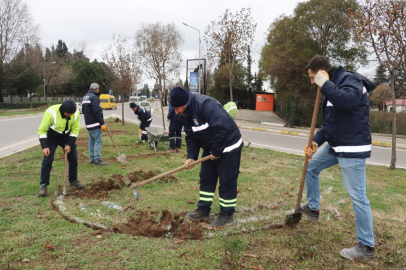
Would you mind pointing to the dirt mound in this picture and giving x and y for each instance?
(158, 224)
(98, 190)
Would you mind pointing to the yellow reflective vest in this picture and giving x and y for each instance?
(231, 108)
(53, 126)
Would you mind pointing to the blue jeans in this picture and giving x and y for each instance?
(95, 144)
(47, 161)
(354, 179)
(175, 134)
(143, 125)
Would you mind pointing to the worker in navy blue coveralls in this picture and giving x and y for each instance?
(144, 116)
(175, 130)
(207, 125)
(347, 134)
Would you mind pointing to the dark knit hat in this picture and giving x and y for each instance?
(68, 106)
(179, 97)
(133, 105)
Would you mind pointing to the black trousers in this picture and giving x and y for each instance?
(47, 161)
(226, 169)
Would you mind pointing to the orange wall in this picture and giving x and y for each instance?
(264, 102)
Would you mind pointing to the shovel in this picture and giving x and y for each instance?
(134, 186)
(246, 139)
(65, 172)
(294, 219)
(121, 158)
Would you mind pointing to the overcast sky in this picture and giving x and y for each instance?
(95, 21)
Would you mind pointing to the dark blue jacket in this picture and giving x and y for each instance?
(173, 116)
(142, 114)
(92, 111)
(207, 125)
(346, 115)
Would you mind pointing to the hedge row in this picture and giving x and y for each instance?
(301, 113)
(27, 105)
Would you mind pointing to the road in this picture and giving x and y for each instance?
(20, 133)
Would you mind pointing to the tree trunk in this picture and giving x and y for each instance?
(162, 103)
(122, 107)
(1, 82)
(393, 158)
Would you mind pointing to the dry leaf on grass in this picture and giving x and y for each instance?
(190, 202)
(99, 236)
(250, 255)
(179, 242)
(38, 215)
(201, 256)
(49, 246)
(96, 232)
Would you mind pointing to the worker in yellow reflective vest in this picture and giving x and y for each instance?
(59, 127)
(232, 107)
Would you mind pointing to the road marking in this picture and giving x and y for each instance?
(10, 146)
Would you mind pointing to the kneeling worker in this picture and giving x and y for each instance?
(59, 127)
(209, 126)
(145, 118)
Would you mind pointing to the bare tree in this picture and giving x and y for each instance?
(121, 63)
(158, 49)
(380, 95)
(381, 25)
(16, 30)
(229, 39)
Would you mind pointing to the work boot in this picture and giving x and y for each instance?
(43, 192)
(177, 149)
(222, 220)
(197, 214)
(312, 215)
(172, 151)
(359, 252)
(99, 163)
(77, 185)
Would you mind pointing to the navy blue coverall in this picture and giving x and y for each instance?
(175, 128)
(145, 117)
(207, 125)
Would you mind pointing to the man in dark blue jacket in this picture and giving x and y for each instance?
(347, 134)
(94, 123)
(207, 125)
(145, 118)
(175, 130)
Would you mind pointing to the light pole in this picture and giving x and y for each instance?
(198, 82)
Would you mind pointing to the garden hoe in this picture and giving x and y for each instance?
(121, 158)
(294, 219)
(138, 184)
(65, 172)
(246, 139)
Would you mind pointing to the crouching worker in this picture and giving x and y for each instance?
(232, 107)
(145, 118)
(59, 127)
(207, 125)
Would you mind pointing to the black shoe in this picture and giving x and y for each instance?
(77, 185)
(91, 162)
(43, 192)
(312, 215)
(100, 162)
(197, 214)
(222, 220)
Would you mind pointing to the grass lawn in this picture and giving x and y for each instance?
(21, 112)
(100, 229)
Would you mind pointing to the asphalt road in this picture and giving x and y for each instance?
(21, 132)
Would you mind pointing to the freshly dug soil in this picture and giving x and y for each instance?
(158, 224)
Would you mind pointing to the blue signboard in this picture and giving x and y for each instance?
(110, 91)
(193, 85)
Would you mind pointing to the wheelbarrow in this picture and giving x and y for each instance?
(156, 135)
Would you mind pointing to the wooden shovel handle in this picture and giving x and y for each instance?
(111, 137)
(138, 184)
(309, 144)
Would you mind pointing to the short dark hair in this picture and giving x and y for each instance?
(319, 62)
(240, 103)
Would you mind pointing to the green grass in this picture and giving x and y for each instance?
(24, 112)
(268, 186)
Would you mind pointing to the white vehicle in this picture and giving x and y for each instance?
(143, 97)
(135, 99)
(146, 105)
(79, 107)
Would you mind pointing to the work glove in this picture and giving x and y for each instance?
(321, 77)
(103, 127)
(309, 152)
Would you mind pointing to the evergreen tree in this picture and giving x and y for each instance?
(381, 76)
(249, 78)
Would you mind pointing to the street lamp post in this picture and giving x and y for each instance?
(198, 82)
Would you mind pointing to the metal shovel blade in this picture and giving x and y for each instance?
(293, 220)
(137, 195)
(122, 159)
